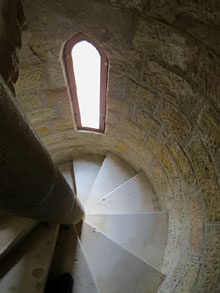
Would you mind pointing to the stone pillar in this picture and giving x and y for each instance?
(30, 184)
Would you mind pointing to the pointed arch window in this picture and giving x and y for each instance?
(86, 68)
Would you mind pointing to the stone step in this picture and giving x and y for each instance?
(135, 195)
(143, 234)
(115, 268)
(69, 258)
(112, 174)
(12, 230)
(26, 269)
(86, 168)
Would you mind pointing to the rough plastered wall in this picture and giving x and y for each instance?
(163, 110)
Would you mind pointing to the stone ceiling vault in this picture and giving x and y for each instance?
(163, 108)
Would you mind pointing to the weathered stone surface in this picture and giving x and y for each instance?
(53, 138)
(206, 75)
(196, 18)
(209, 124)
(162, 155)
(29, 102)
(178, 256)
(210, 272)
(61, 125)
(66, 112)
(183, 163)
(29, 79)
(169, 85)
(175, 122)
(136, 4)
(196, 229)
(129, 127)
(158, 179)
(40, 116)
(206, 175)
(43, 48)
(116, 85)
(57, 96)
(188, 280)
(165, 43)
(140, 96)
(58, 155)
(112, 119)
(120, 146)
(147, 123)
(206, 12)
(27, 56)
(121, 106)
(43, 131)
(126, 61)
(114, 132)
(55, 75)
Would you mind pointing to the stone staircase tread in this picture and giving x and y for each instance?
(113, 172)
(69, 257)
(26, 269)
(142, 234)
(12, 230)
(115, 268)
(86, 166)
(134, 195)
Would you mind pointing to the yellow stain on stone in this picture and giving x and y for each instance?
(43, 131)
(120, 146)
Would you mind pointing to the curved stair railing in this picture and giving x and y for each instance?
(31, 185)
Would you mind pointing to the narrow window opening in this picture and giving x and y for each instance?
(86, 66)
(86, 72)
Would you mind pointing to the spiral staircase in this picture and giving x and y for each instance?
(118, 247)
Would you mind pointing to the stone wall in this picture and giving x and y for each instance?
(162, 110)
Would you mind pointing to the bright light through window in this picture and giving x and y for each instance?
(86, 65)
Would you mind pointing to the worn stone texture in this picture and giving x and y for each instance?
(29, 79)
(183, 164)
(61, 125)
(121, 106)
(206, 75)
(206, 175)
(175, 122)
(147, 123)
(188, 280)
(43, 131)
(162, 112)
(209, 124)
(165, 43)
(132, 129)
(195, 249)
(172, 86)
(40, 116)
(162, 156)
(209, 275)
(141, 96)
(29, 102)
